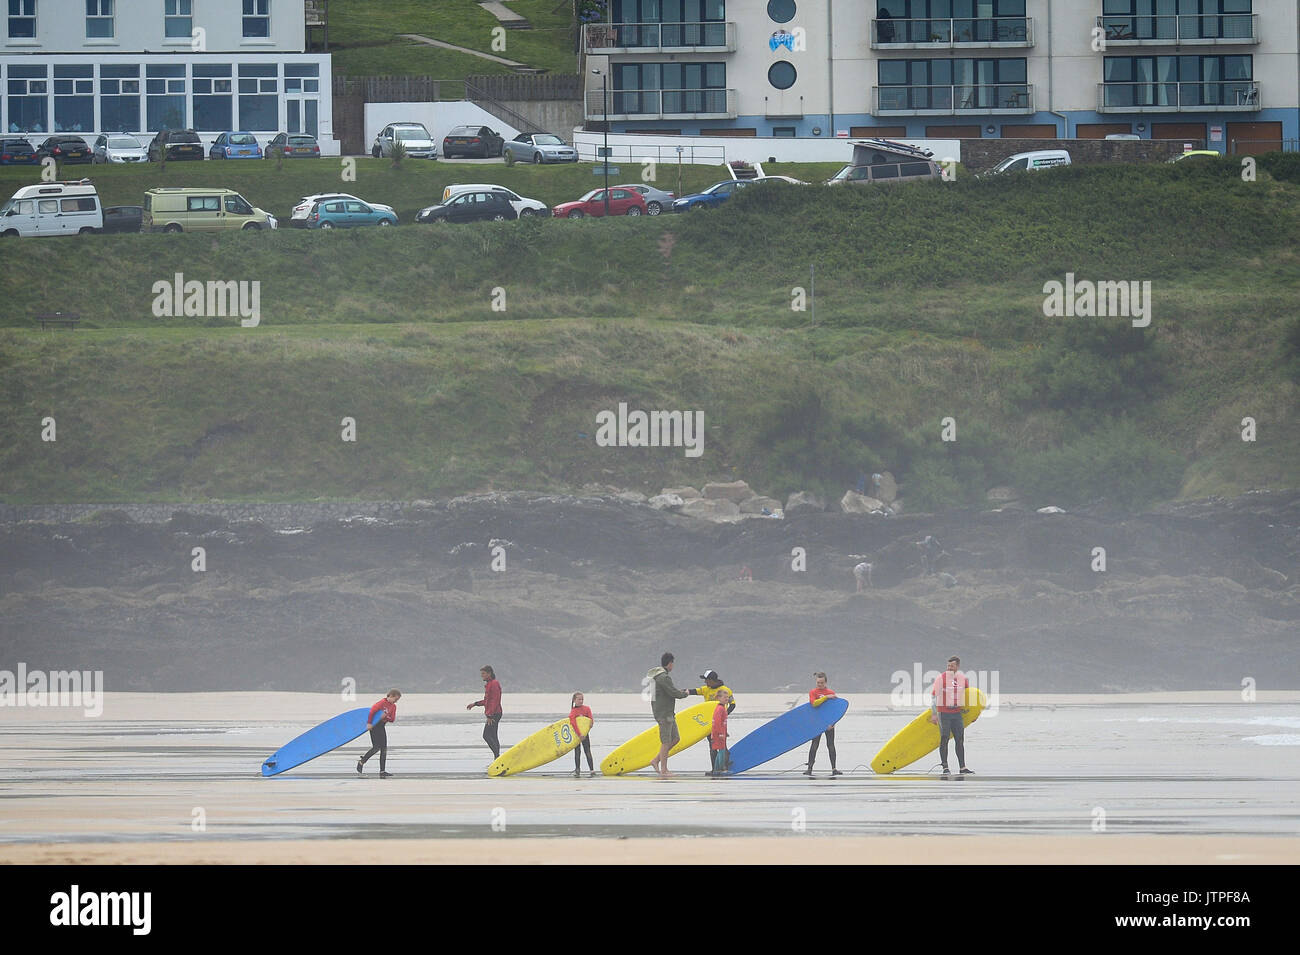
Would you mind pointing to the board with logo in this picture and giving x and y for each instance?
(546, 745)
(920, 737)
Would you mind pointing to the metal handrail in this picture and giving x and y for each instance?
(1155, 94)
(1180, 28)
(953, 30)
(661, 102)
(955, 97)
(662, 35)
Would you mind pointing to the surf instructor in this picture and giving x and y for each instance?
(663, 704)
(491, 704)
(949, 693)
(382, 712)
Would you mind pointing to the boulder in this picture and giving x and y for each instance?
(1051, 509)
(685, 493)
(631, 497)
(803, 502)
(716, 509)
(666, 502)
(1002, 494)
(755, 505)
(896, 506)
(728, 491)
(887, 489)
(854, 503)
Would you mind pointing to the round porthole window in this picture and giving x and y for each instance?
(782, 75)
(781, 11)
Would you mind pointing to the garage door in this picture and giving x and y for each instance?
(1032, 131)
(952, 132)
(1254, 138)
(1101, 130)
(1193, 133)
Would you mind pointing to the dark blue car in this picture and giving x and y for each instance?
(17, 152)
(712, 197)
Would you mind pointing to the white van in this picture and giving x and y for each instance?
(53, 208)
(1030, 162)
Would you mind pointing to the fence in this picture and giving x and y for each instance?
(351, 93)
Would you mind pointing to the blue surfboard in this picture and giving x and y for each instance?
(318, 741)
(800, 725)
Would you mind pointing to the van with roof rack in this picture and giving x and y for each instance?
(53, 208)
(884, 161)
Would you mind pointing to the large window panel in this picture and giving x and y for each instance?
(178, 19)
(74, 99)
(22, 19)
(165, 96)
(99, 19)
(257, 19)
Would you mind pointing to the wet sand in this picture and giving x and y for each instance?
(1164, 778)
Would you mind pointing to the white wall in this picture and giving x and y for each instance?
(626, 147)
(438, 118)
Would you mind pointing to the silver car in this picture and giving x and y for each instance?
(656, 200)
(413, 137)
(539, 147)
(118, 147)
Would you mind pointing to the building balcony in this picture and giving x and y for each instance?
(963, 100)
(695, 37)
(661, 104)
(1191, 30)
(1238, 96)
(980, 33)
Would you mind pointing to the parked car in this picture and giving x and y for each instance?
(235, 145)
(481, 141)
(622, 202)
(298, 218)
(712, 197)
(539, 148)
(656, 200)
(65, 149)
(118, 147)
(123, 218)
(1031, 162)
(413, 137)
(912, 170)
(52, 209)
(487, 204)
(525, 207)
(348, 214)
(17, 152)
(201, 209)
(293, 146)
(176, 144)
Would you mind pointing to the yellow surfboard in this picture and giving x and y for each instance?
(920, 737)
(693, 724)
(547, 744)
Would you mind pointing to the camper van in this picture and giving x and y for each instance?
(199, 209)
(53, 208)
(882, 161)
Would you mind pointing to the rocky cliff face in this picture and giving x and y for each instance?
(587, 592)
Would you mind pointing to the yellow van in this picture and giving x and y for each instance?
(197, 209)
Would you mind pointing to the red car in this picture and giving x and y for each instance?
(622, 202)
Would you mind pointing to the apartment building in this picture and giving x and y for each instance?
(139, 66)
(1222, 72)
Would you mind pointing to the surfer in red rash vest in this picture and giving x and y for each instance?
(491, 704)
(578, 708)
(381, 713)
(816, 693)
(949, 692)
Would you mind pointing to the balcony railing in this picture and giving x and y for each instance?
(1180, 30)
(1233, 95)
(713, 36)
(957, 33)
(662, 104)
(1004, 98)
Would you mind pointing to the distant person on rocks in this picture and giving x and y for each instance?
(382, 712)
(491, 704)
(931, 550)
(862, 574)
(578, 708)
(663, 704)
(949, 703)
(713, 687)
(718, 736)
(815, 694)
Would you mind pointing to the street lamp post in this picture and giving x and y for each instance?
(604, 110)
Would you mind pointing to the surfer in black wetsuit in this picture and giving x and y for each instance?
(382, 712)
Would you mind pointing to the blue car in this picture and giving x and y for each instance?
(712, 197)
(338, 213)
(17, 152)
(235, 146)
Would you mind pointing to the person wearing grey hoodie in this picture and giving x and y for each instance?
(663, 704)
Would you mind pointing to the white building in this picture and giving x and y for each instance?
(138, 66)
(1213, 70)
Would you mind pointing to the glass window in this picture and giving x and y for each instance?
(47, 206)
(783, 132)
(119, 99)
(178, 18)
(99, 19)
(257, 18)
(22, 19)
(782, 75)
(887, 170)
(781, 11)
(238, 206)
(82, 204)
(302, 69)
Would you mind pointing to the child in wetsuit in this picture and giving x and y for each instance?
(816, 693)
(576, 709)
(382, 712)
(718, 736)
